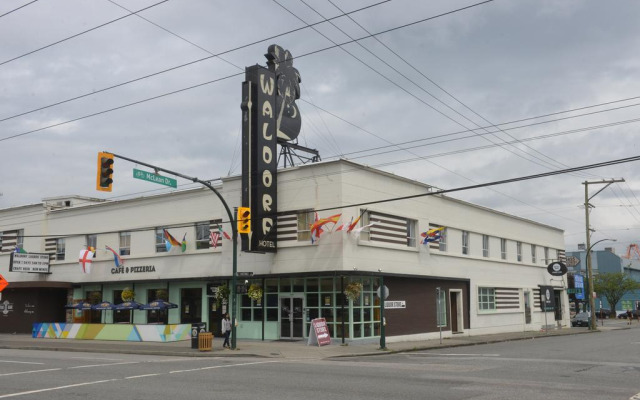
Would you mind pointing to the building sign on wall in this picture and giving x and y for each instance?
(133, 270)
(395, 304)
(29, 262)
(259, 158)
(547, 299)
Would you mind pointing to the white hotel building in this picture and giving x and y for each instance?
(490, 266)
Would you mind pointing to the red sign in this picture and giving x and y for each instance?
(3, 283)
(320, 330)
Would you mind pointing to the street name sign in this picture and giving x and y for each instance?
(151, 177)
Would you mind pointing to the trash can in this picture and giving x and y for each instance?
(196, 329)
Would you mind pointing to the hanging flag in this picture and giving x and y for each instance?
(223, 233)
(20, 250)
(354, 223)
(432, 235)
(116, 257)
(315, 235)
(170, 240)
(85, 260)
(184, 242)
(356, 232)
(316, 227)
(213, 239)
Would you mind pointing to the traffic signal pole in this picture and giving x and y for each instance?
(234, 231)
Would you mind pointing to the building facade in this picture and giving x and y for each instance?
(484, 275)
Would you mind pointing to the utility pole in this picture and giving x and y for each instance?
(607, 182)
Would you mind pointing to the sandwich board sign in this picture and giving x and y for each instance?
(319, 333)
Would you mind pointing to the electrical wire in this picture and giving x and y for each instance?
(16, 9)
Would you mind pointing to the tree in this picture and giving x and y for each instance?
(613, 285)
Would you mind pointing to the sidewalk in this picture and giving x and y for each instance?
(272, 349)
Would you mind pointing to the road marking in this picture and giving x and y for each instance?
(53, 388)
(141, 376)
(20, 362)
(104, 365)
(457, 355)
(31, 372)
(221, 366)
(94, 358)
(636, 397)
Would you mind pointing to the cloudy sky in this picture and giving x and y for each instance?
(495, 91)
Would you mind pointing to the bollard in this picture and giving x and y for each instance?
(205, 341)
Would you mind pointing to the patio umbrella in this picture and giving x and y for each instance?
(158, 305)
(105, 305)
(85, 305)
(128, 305)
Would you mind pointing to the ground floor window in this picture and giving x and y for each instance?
(486, 299)
(157, 316)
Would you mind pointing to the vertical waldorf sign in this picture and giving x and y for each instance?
(259, 158)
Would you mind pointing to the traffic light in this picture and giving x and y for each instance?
(105, 172)
(244, 220)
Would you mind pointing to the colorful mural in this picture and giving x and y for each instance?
(125, 332)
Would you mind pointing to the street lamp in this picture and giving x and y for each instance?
(592, 301)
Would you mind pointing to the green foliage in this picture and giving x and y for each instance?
(613, 285)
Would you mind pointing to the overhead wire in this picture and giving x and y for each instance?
(81, 33)
(18, 8)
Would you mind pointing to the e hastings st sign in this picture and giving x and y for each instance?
(269, 113)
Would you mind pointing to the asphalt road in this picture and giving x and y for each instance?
(597, 366)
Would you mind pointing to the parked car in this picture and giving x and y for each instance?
(603, 313)
(634, 314)
(581, 319)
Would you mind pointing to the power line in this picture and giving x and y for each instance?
(176, 67)
(81, 33)
(16, 9)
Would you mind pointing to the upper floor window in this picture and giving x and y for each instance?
(503, 249)
(519, 251)
(203, 235)
(92, 243)
(485, 245)
(465, 242)
(546, 255)
(125, 243)
(533, 253)
(442, 244)
(60, 249)
(389, 229)
(304, 221)
(161, 246)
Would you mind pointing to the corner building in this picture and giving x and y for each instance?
(489, 266)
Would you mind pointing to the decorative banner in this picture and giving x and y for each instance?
(259, 158)
(319, 332)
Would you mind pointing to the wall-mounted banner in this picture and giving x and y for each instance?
(547, 299)
(29, 262)
(259, 158)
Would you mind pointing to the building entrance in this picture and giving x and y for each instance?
(291, 317)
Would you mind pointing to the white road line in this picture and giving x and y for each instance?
(222, 366)
(94, 358)
(53, 388)
(141, 376)
(636, 397)
(31, 372)
(457, 355)
(20, 362)
(104, 365)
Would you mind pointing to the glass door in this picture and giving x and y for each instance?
(291, 317)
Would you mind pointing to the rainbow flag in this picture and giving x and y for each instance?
(116, 257)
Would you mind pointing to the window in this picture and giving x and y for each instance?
(441, 306)
(157, 316)
(546, 255)
(519, 251)
(442, 244)
(203, 233)
(485, 245)
(411, 233)
(60, 249)
(305, 220)
(503, 249)
(20, 238)
(125, 243)
(486, 298)
(465, 242)
(533, 253)
(161, 246)
(252, 310)
(92, 243)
